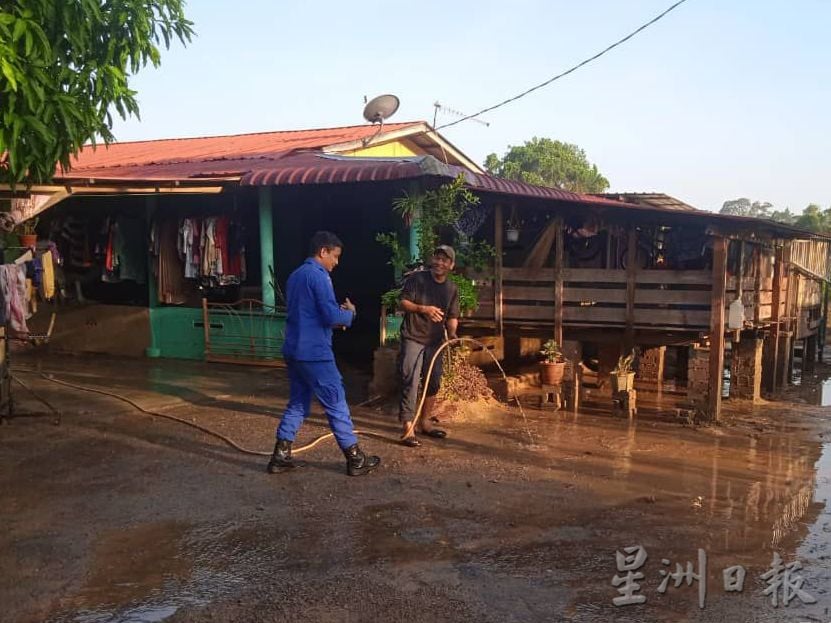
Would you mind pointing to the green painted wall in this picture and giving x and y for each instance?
(177, 333)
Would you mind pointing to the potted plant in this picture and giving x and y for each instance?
(26, 233)
(512, 227)
(553, 363)
(622, 376)
(468, 295)
(391, 319)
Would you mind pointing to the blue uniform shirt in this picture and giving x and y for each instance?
(312, 312)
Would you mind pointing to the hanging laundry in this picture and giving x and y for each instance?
(56, 255)
(34, 271)
(169, 268)
(189, 247)
(30, 299)
(212, 250)
(236, 251)
(222, 245)
(13, 289)
(47, 284)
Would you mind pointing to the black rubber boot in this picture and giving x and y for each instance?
(281, 460)
(358, 463)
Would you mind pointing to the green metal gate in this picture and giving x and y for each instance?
(246, 332)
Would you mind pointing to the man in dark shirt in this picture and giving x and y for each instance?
(312, 312)
(431, 303)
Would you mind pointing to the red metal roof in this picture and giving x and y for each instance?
(251, 166)
(316, 168)
(209, 149)
(288, 168)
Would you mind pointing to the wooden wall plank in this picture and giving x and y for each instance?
(497, 268)
(717, 318)
(672, 297)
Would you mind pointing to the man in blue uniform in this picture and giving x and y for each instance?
(312, 313)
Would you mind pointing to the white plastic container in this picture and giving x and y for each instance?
(735, 315)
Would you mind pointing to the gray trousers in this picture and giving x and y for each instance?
(413, 362)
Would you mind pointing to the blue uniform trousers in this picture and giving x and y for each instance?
(323, 380)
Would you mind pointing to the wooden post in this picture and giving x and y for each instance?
(775, 315)
(151, 204)
(497, 269)
(821, 330)
(266, 246)
(558, 282)
(382, 329)
(737, 333)
(413, 189)
(631, 277)
(788, 324)
(717, 326)
(757, 285)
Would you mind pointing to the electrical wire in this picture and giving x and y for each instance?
(568, 71)
(40, 399)
(244, 450)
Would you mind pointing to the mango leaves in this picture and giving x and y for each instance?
(65, 66)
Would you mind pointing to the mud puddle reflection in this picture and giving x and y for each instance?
(815, 550)
(147, 574)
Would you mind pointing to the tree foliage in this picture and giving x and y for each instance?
(813, 217)
(784, 216)
(434, 214)
(433, 209)
(65, 66)
(744, 207)
(546, 162)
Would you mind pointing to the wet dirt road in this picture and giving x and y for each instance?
(117, 516)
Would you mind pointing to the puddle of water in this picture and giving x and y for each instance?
(137, 580)
(825, 393)
(814, 553)
(139, 614)
(133, 563)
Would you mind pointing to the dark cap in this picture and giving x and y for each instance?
(447, 250)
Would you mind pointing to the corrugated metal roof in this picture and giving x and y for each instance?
(289, 168)
(316, 168)
(657, 200)
(213, 148)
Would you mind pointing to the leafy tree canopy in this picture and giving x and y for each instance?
(813, 217)
(744, 207)
(546, 162)
(65, 65)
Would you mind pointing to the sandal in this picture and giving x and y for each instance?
(410, 442)
(435, 433)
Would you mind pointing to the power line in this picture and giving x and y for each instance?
(568, 71)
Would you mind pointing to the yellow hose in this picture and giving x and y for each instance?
(298, 449)
(446, 344)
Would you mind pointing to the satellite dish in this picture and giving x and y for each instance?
(381, 108)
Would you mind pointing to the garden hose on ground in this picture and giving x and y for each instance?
(458, 340)
(298, 449)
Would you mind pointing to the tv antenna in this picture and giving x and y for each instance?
(456, 113)
(378, 110)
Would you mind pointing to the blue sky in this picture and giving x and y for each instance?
(720, 99)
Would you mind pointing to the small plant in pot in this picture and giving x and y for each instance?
(622, 376)
(553, 363)
(512, 227)
(26, 233)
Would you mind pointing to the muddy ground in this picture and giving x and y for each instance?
(117, 516)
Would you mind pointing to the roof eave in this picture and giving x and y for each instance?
(413, 130)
